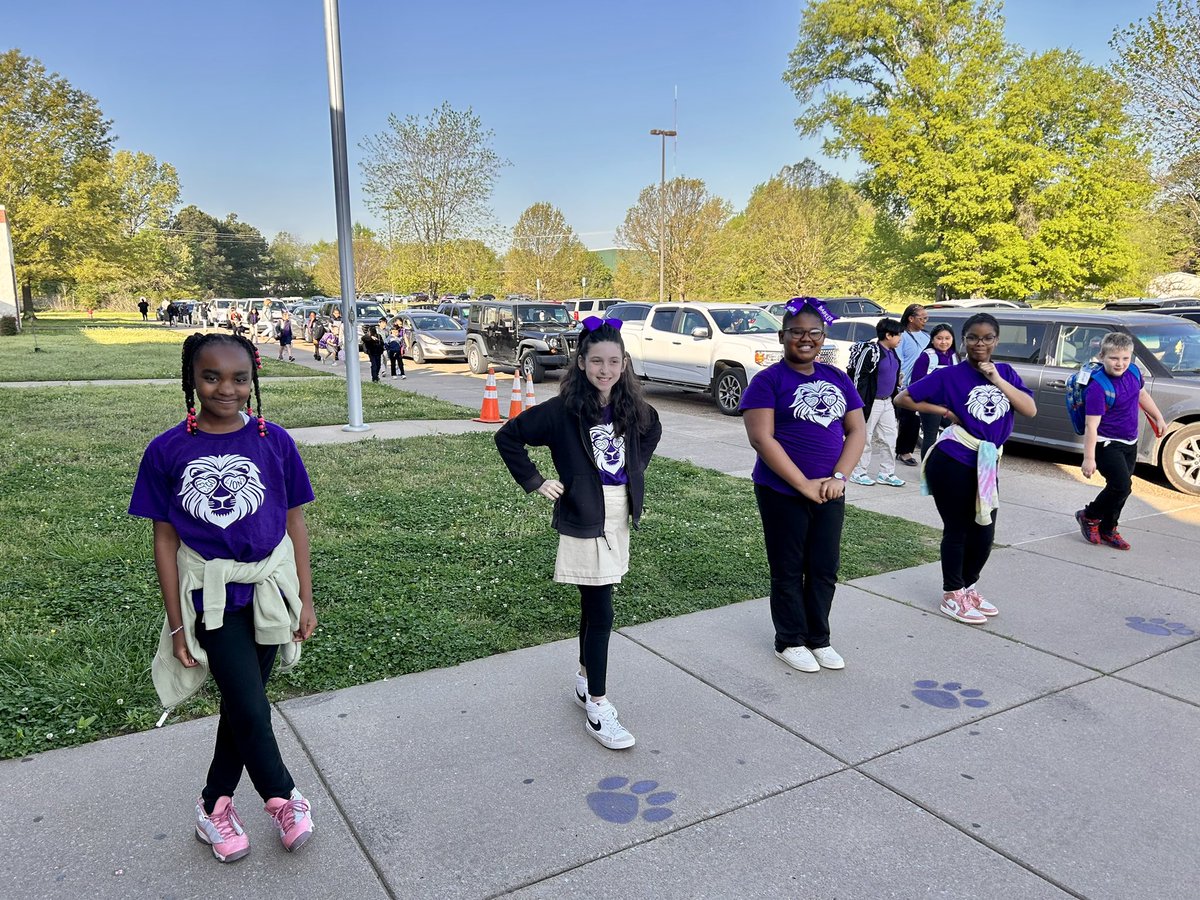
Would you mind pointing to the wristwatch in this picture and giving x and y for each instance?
(839, 476)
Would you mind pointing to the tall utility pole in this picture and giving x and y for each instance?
(662, 212)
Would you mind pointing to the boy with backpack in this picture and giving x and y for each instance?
(1103, 400)
(875, 370)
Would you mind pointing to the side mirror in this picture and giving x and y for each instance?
(701, 332)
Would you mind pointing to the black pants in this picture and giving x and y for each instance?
(1115, 461)
(908, 428)
(396, 359)
(595, 625)
(931, 424)
(804, 543)
(966, 545)
(376, 364)
(241, 668)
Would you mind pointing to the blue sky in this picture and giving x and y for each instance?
(234, 94)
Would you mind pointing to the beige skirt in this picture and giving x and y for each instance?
(601, 560)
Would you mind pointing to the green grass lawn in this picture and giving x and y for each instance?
(425, 554)
(116, 345)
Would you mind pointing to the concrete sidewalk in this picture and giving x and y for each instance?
(1046, 754)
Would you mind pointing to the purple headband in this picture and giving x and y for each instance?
(796, 304)
(591, 323)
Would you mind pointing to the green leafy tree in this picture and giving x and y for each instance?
(692, 219)
(1002, 174)
(371, 271)
(291, 271)
(545, 250)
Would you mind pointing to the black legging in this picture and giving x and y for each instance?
(931, 424)
(908, 431)
(396, 359)
(595, 625)
(966, 544)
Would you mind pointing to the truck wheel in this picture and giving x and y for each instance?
(418, 353)
(474, 359)
(727, 390)
(531, 368)
(1181, 459)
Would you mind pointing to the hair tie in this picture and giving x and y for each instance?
(797, 304)
(591, 323)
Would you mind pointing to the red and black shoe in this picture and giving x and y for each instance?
(1113, 539)
(1090, 528)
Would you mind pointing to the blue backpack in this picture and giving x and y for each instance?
(1077, 387)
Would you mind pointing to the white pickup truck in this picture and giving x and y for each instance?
(711, 347)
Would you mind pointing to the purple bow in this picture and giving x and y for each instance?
(796, 304)
(591, 323)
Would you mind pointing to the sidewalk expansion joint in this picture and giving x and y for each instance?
(1194, 588)
(354, 834)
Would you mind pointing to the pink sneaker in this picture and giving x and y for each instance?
(980, 604)
(222, 831)
(293, 818)
(961, 606)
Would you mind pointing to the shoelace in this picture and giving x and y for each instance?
(227, 823)
(285, 816)
(969, 599)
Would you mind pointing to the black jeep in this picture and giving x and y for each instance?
(530, 334)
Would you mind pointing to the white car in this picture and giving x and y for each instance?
(847, 332)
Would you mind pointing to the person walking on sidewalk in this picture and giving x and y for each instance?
(144, 308)
(372, 345)
(395, 349)
(804, 420)
(939, 354)
(284, 333)
(913, 340)
(226, 492)
(875, 370)
(980, 398)
(1110, 437)
(601, 435)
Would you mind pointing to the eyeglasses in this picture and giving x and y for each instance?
(978, 339)
(796, 333)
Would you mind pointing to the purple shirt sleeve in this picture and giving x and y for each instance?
(920, 368)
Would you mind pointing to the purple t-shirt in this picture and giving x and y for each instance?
(809, 410)
(925, 363)
(1118, 422)
(981, 406)
(608, 449)
(887, 376)
(227, 495)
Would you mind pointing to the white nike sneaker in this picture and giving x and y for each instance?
(581, 691)
(602, 724)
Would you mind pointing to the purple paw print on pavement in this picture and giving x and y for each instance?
(1160, 627)
(612, 804)
(948, 695)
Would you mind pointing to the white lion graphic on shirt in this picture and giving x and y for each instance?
(820, 402)
(987, 403)
(221, 490)
(608, 447)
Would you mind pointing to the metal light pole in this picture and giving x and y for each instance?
(341, 195)
(662, 213)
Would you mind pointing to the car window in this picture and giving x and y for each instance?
(491, 315)
(505, 318)
(1175, 343)
(662, 319)
(536, 315)
(1077, 344)
(628, 312)
(1020, 341)
(435, 322)
(692, 320)
(746, 320)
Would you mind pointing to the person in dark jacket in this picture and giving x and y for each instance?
(372, 345)
(601, 435)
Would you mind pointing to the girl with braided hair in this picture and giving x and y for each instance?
(226, 490)
(601, 435)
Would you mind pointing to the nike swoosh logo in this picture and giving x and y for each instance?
(596, 726)
(580, 697)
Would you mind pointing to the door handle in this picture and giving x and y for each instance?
(677, 343)
(1058, 385)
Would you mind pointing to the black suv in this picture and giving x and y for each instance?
(531, 335)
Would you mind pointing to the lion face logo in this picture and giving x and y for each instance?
(987, 403)
(221, 490)
(819, 402)
(608, 448)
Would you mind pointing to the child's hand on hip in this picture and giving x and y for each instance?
(551, 489)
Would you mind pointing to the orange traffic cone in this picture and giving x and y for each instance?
(514, 403)
(530, 399)
(489, 413)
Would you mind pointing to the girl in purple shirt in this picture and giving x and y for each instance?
(979, 398)
(938, 355)
(804, 420)
(227, 485)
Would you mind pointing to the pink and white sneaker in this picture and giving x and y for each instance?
(222, 831)
(960, 605)
(293, 818)
(980, 604)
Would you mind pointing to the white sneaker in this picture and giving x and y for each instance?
(984, 606)
(799, 658)
(581, 691)
(961, 606)
(602, 724)
(828, 658)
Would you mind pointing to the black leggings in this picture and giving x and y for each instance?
(376, 364)
(396, 359)
(595, 625)
(966, 544)
(908, 430)
(931, 424)
(1115, 461)
(241, 668)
